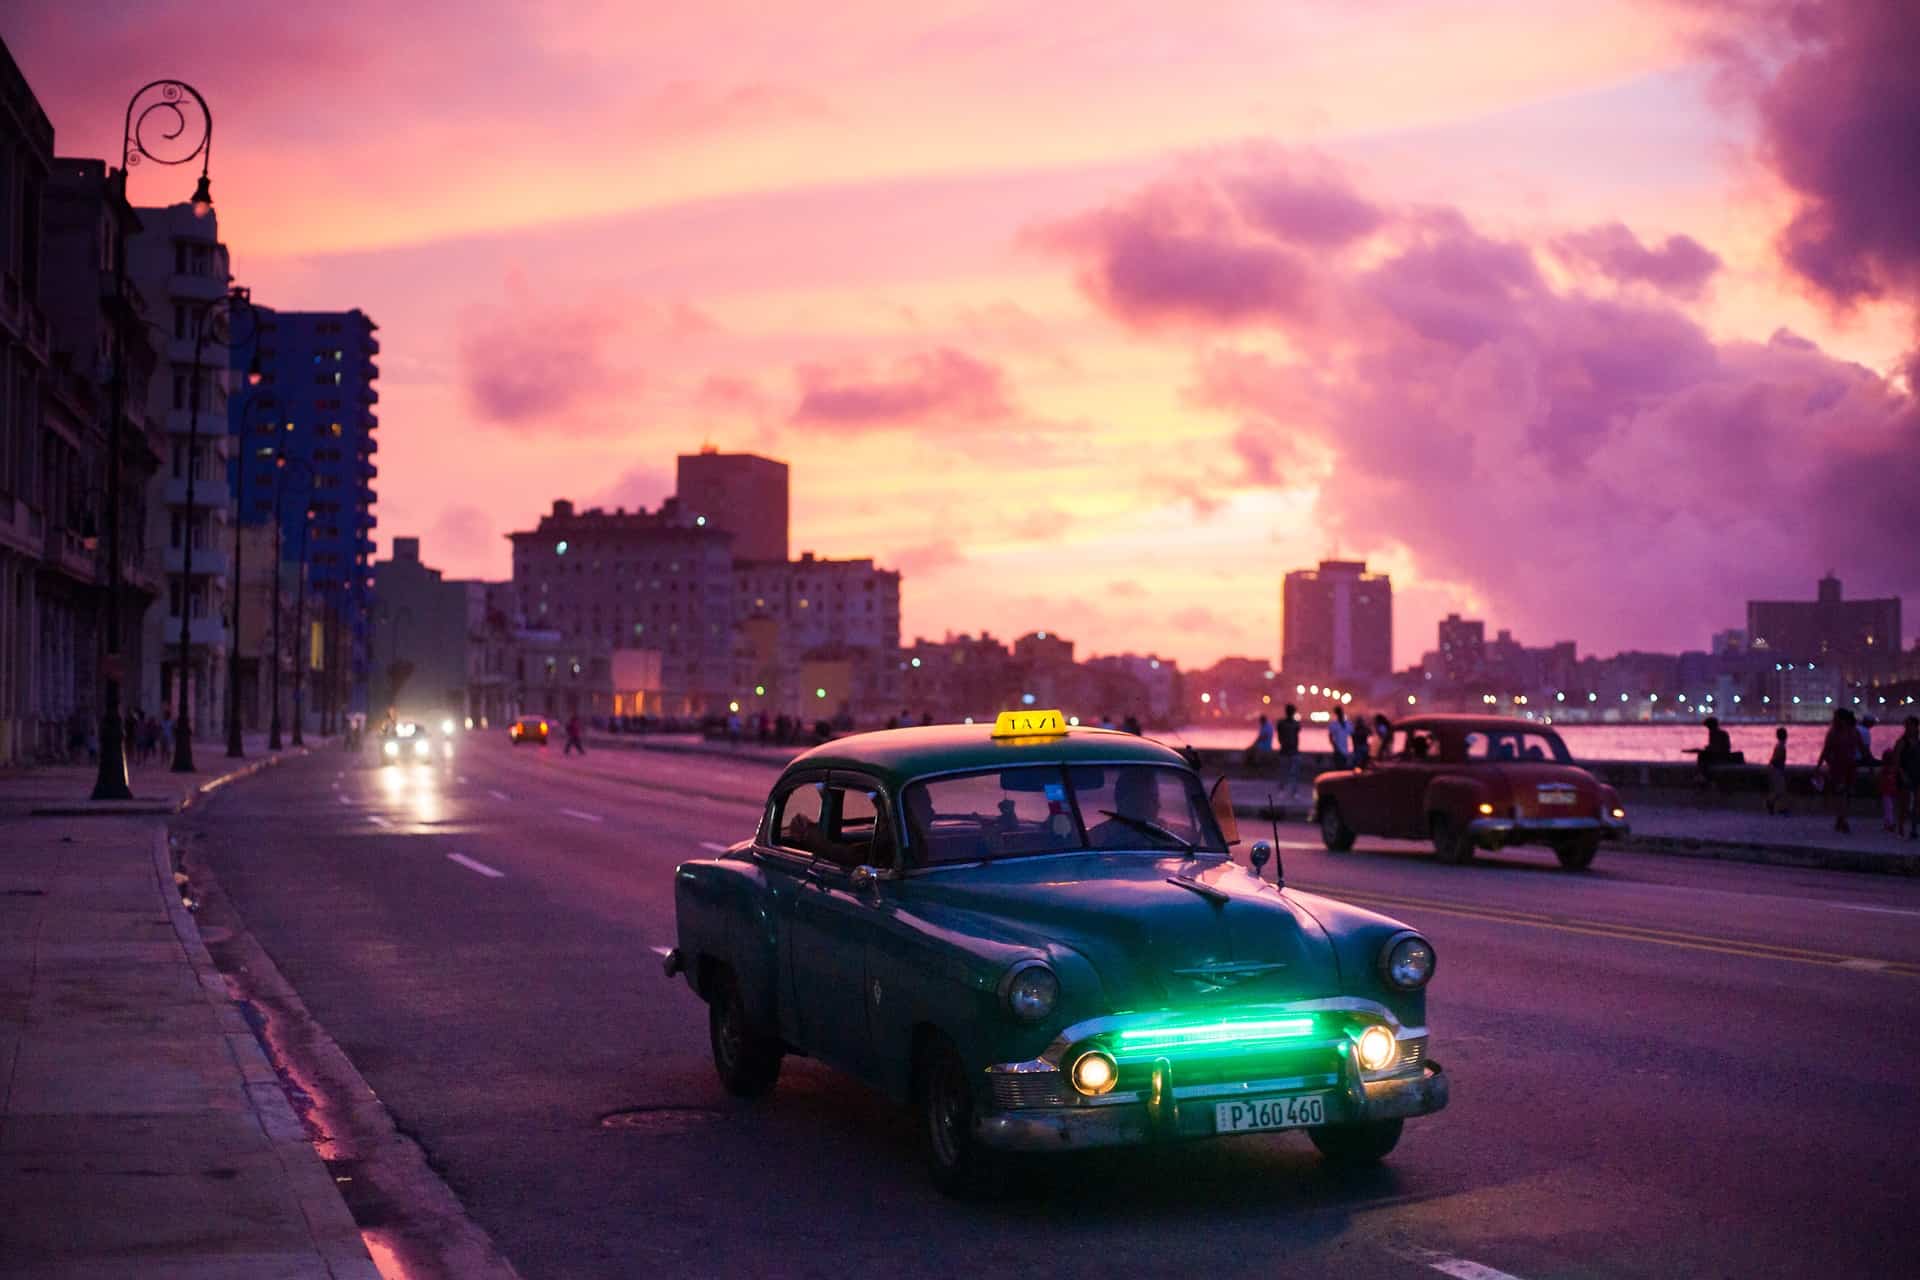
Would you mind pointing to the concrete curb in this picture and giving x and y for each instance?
(335, 1235)
(1815, 857)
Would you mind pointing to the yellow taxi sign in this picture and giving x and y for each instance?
(1029, 724)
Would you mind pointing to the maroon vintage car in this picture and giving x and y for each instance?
(1472, 782)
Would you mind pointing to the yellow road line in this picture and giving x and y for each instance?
(1633, 933)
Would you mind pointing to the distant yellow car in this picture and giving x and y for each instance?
(529, 729)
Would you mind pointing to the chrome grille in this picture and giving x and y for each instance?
(1015, 1089)
(1412, 1052)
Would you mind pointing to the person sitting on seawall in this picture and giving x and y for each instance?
(1718, 751)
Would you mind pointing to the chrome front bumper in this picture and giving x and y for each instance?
(1492, 833)
(1038, 1111)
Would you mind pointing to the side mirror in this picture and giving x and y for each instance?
(864, 879)
(1220, 800)
(1260, 855)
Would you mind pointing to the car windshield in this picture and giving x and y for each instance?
(1516, 744)
(1038, 809)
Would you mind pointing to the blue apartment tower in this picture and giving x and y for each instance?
(313, 406)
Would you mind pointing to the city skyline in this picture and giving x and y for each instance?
(1084, 364)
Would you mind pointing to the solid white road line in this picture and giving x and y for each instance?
(471, 865)
(377, 820)
(498, 795)
(583, 815)
(714, 848)
(1880, 911)
(1462, 1269)
(344, 799)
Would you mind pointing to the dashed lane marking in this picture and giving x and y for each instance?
(712, 847)
(1464, 1269)
(498, 795)
(472, 865)
(1631, 933)
(344, 799)
(463, 779)
(583, 815)
(336, 784)
(378, 821)
(660, 951)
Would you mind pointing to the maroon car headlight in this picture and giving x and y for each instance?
(1406, 961)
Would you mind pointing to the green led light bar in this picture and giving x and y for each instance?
(1207, 1035)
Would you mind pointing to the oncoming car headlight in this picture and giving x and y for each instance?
(421, 748)
(446, 726)
(393, 748)
(1030, 989)
(1407, 961)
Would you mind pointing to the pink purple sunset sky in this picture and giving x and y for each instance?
(1594, 320)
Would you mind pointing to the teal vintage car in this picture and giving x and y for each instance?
(1035, 933)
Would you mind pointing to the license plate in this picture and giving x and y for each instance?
(1558, 797)
(1270, 1113)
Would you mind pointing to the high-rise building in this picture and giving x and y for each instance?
(1337, 621)
(608, 583)
(1859, 637)
(1463, 649)
(318, 369)
(741, 493)
(179, 267)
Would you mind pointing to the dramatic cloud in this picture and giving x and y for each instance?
(1234, 248)
(943, 385)
(532, 362)
(1553, 448)
(1681, 267)
(1839, 106)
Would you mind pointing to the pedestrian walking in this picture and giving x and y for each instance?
(1362, 741)
(1382, 737)
(1287, 734)
(574, 740)
(1340, 738)
(1910, 774)
(1777, 775)
(1889, 780)
(1867, 724)
(1839, 762)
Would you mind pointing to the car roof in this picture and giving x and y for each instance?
(1461, 723)
(898, 756)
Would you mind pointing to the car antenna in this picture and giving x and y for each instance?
(1273, 815)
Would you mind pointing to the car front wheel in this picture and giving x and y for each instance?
(1450, 846)
(1353, 1145)
(959, 1165)
(747, 1061)
(1334, 831)
(1576, 852)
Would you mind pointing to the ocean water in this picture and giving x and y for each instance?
(1656, 743)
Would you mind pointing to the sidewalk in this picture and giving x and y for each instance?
(64, 790)
(143, 1132)
(1806, 839)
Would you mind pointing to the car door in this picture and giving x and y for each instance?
(836, 925)
(785, 852)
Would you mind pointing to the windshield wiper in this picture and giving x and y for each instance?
(1151, 828)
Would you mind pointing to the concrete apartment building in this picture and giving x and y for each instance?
(610, 583)
(742, 493)
(1336, 623)
(801, 621)
(318, 366)
(180, 268)
(435, 649)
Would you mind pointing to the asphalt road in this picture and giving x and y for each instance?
(1664, 1067)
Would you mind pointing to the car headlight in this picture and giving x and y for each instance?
(446, 726)
(393, 748)
(1375, 1048)
(1094, 1073)
(1030, 989)
(1618, 812)
(420, 747)
(1407, 961)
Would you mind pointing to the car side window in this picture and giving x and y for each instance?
(797, 820)
(857, 836)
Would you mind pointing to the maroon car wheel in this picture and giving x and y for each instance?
(1450, 846)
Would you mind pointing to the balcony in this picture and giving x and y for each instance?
(207, 631)
(71, 554)
(210, 494)
(208, 562)
(196, 288)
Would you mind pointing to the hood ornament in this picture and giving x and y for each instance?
(1218, 977)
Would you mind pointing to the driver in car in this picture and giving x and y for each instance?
(1136, 798)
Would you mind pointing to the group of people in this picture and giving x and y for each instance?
(1355, 743)
(1847, 748)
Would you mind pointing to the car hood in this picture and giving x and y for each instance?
(1153, 942)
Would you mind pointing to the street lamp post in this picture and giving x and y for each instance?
(235, 750)
(299, 631)
(280, 463)
(183, 708)
(176, 138)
